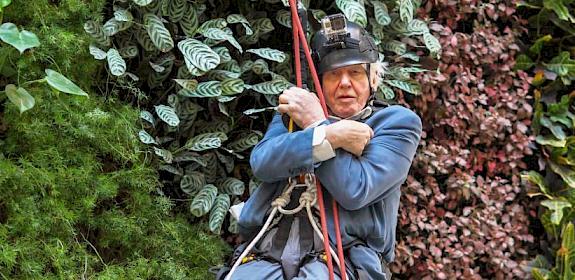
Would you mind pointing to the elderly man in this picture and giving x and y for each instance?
(361, 154)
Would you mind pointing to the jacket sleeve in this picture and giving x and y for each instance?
(356, 182)
(280, 154)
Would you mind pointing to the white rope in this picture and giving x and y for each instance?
(307, 199)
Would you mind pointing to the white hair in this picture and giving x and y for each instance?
(377, 71)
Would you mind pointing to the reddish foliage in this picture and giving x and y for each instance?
(463, 213)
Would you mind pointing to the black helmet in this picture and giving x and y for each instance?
(341, 43)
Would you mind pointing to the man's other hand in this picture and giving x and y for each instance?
(301, 105)
(351, 136)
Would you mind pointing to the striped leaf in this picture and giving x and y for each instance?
(165, 154)
(260, 67)
(184, 74)
(167, 114)
(116, 63)
(146, 138)
(218, 213)
(189, 22)
(318, 14)
(416, 27)
(188, 110)
(410, 87)
(233, 227)
(231, 66)
(395, 46)
(204, 200)
(405, 10)
(145, 41)
(192, 182)
(228, 161)
(224, 53)
(270, 54)
(270, 88)
(232, 86)
(113, 26)
(381, 14)
(262, 26)
(97, 53)
(147, 116)
(129, 52)
(237, 18)
(163, 68)
(353, 10)
(198, 55)
(190, 156)
(218, 23)
(176, 9)
(211, 168)
(386, 92)
(432, 44)
(224, 99)
(245, 142)
(95, 31)
(205, 141)
(284, 18)
(205, 89)
(123, 15)
(221, 35)
(186, 84)
(232, 186)
(143, 2)
(159, 34)
(171, 169)
(221, 75)
(411, 56)
(219, 126)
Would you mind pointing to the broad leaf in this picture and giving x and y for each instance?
(205, 141)
(203, 201)
(272, 87)
(411, 87)
(61, 83)
(168, 115)
(116, 62)
(143, 2)
(97, 53)
(219, 212)
(159, 34)
(146, 138)
(270, 54)
(20, 97)
(353, 10)
(381, 14)
(20, 40)
(193, 182)
(556, 207)
(197, 54)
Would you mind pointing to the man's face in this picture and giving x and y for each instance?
(346, 90)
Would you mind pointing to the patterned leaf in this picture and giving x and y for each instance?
(232, 86)
(189, 22)
(217, 23)
(143, 2)
(237, 18)
(224, 53)
(113, 26)
(270, 54)
(160, 36)
(231, 66)
(116, 62)
(203, 201)
(353, 10)
(262, 26)
(192, 182)
(272, 87)
(97, 53)
(171, 169)
(220, 35)
(205, 141)
(284, 18)
(387, 92)
(412, 88)
(123, 15)
(228, 161)
(416, 27)
(95, 31)
(395, 46)
(233, 227)
(167, 114)
(260, 67)
(221, 126)
(147, 116)
(405, 10)
(432, 44)
(205, 89)
(145, 41)
(197, 54)
(232, 186)
(186, 84)
(318, 14)
(165, 154)
(146, 138)
(222, 75)
(245, 142)
(218, 213)
(129, 52)
(381, 14)
(224, 99)
(176, 9)
(211, 168)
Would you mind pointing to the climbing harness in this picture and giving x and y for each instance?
(313, 193)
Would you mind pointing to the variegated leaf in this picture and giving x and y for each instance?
(221, 126)
(95, 31)
(205, 89)
(237, 18)
(262, 26)
(270, 54)
(416, 27)
(205, 141)
(197, 54)
(231, 66)
(318, 14)
(165, 154)
(410, 87)
(146, 138)
(145, 41)
(381, 14)
(123, 15)
(147, 116)
(232, 86)
(218, 213)
(260, 67)
(405, 10)
(232, 186)
(204, 200)
(284, 18)
(97, 53)
(224, 99)
(432, 44)
(395, 46)
(171, 169)
(270, 88)
(224, 53)
(221, 75)
(116, 63)
(245, 142)
(228, 161)
(167, 114)
(143, 2)
(129, 52)
(159, 34)
(192, 182)
(353, 10)
(217, 23)
(221, 35)
(189, 22)
(176, 9)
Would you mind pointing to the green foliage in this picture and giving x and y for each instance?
(550, 59)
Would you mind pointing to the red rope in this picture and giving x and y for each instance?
(299, 35)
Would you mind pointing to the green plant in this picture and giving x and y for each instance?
(22, 41)
(211, 73)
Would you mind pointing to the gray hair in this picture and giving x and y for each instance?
(377, 70)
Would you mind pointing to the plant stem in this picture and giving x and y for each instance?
(34, 81)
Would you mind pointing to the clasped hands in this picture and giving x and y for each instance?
(305, 109)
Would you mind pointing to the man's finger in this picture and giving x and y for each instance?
(283, 108)
(283, 98)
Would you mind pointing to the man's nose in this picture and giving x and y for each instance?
(345, 80)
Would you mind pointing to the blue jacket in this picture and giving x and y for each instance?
(367, 188)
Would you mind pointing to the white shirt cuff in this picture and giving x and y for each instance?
(322, 149)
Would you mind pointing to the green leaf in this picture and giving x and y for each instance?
(405, 10)
(284, 18)
(165, 154)
(189, 22)
(147, 116)
(270, 54)
(218, 23)
(197, 54)
(143, 2)
(146, 138)
(193, 182)
(536, 178)
(395, 46)
(20, 97)
(220, 35)
(167, 114)
(272, 87)
(387, 92)
(176, 9)
(232, 186)
(416, 27)
(116, 62)
(245, 142)
(262, 26)
(562, 64)
(237, 18)
(5, 3)
(97, 53)
(186, 84)
(159, 34)
(318, 14)
(556, 207)
(560, 9)
(566, 173)
(538, 44)
(523, 62)
(432, 44)
(20, 40)
(205, 141)
(95, 31)
(567, 250)
(123, 15)
(61, 83)
(219, 212)
(381, 14)
(353, 10)
(205, 89)
(224, 53)
(410, 87)
(204, 200)
(232, 86)
(550, 140)
(556, 129)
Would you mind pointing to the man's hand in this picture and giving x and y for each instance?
(301, 105)
(351, 136)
